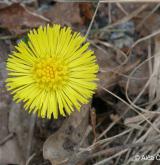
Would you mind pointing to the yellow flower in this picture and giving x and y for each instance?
(53, 73)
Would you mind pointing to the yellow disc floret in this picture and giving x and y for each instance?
(50, 73)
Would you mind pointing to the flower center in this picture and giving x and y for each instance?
(50, 73)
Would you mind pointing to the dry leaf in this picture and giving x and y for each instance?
(10, 153)
(62, 146)
(17, 19)
(86, 11)
(64, 13)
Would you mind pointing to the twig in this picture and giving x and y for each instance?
(147, 83)
(88, 130)
(155, 33)
(30, 158)
(7, 37)
(126, 70)
(91, 23)
(8, 137)
(126, 18)
(113, 137)
(108, 159)
(113, 150)
(115, 49)
(131, 134)
(109, 13)
(147, 16)
(154, 127)
(122, 9)
(150, 67)
(136, 119)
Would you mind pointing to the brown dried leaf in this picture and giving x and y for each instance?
(10, 153)
(64, 13)
(86, 11)
(3, 4)
(17, 19)
(62, 146)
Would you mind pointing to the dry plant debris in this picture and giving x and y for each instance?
(17, 19)
(126, 120)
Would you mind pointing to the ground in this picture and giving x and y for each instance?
(121, 123)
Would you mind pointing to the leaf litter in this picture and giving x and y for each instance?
(126, 103)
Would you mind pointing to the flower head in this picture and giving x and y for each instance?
(53, 73)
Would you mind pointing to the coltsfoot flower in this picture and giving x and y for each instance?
(53, 73)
